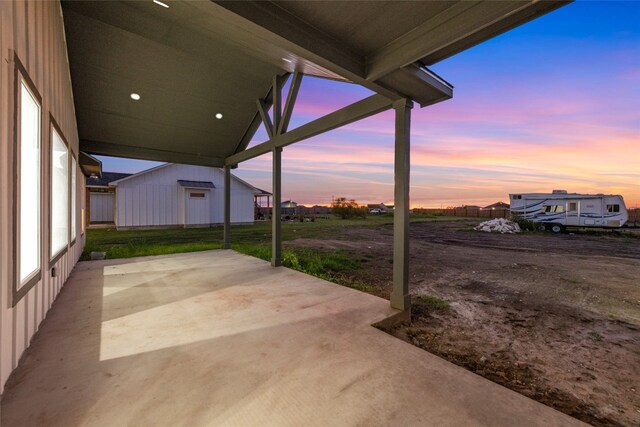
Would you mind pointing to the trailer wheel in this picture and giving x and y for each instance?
(556, 228)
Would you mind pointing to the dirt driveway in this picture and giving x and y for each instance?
(554, 317)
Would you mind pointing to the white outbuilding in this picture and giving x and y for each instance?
(173, 195)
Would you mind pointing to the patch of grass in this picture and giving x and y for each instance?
(424, 305)
(317, 263)
(431, 302)
(325, 265)
(137, 249)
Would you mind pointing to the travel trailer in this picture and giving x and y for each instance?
(560, 209)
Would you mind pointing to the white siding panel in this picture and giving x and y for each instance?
(154, 198)
(35, 32)
(102, 206)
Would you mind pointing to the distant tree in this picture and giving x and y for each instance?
(346, 209)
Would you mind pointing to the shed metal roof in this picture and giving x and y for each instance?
(195, 184)
(195, 59)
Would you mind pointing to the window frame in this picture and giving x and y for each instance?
(54, 258)
(556, 209)
(73, 197)
(19, 288)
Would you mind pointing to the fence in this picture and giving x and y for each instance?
(634, 217)
(467, 212)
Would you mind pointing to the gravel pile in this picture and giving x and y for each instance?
(499, 225)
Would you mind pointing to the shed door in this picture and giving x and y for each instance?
(198, 208)
(101, 207)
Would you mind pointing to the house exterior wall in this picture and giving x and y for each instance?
(154, 198)
(33, 32)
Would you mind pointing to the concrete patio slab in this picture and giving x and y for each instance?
(219, 338)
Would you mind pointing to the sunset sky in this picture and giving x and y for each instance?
(553, 104)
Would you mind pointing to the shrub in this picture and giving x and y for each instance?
(347, 209)
(525, 224)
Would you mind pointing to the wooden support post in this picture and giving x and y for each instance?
(400, 298)
(276, 224)
(227, 208)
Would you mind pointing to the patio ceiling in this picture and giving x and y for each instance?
(194, 60)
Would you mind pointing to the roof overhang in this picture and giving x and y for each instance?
(195, 59)
(89, 165)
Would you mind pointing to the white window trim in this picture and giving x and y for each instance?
(54, 257)
(22, 286)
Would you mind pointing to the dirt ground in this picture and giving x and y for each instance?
(554, 317)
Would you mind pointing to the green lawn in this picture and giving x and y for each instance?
(253, 240)
(132, 243)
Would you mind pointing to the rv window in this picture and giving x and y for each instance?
(554, 209)
(196, 194)
(613, 208)
(517, 196)
(573, 206)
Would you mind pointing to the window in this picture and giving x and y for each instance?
(196, 195)
(74, 166)
(29, 185)
(573, 206)
(613, 208)
(59, 193)
(554, 209)
(517, 196)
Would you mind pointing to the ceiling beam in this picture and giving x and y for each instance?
(468, 23)
(257, 119)
(290, 103)
(263, 110)
(267, 22)
(133, 152)
(349, 114)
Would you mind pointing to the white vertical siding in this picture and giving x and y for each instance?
(154, 198)
(35, 32)
(102, 205)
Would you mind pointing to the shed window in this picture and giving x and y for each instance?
(613, 208)
(196, 195)
(59, 193)
(554, 209)
(29, 185)
(74, 166)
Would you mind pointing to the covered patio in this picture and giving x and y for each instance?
(192, 82)
(217, 338)
(185, 340)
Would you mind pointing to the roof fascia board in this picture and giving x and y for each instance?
(245, 183)
(349, 114)
(118, 150)
(423, 42)
(135, 175)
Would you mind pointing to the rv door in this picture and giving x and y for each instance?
(573, 212)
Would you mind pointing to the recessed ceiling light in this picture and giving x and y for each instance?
(161, 4)
(135, 96)
(218, 116)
